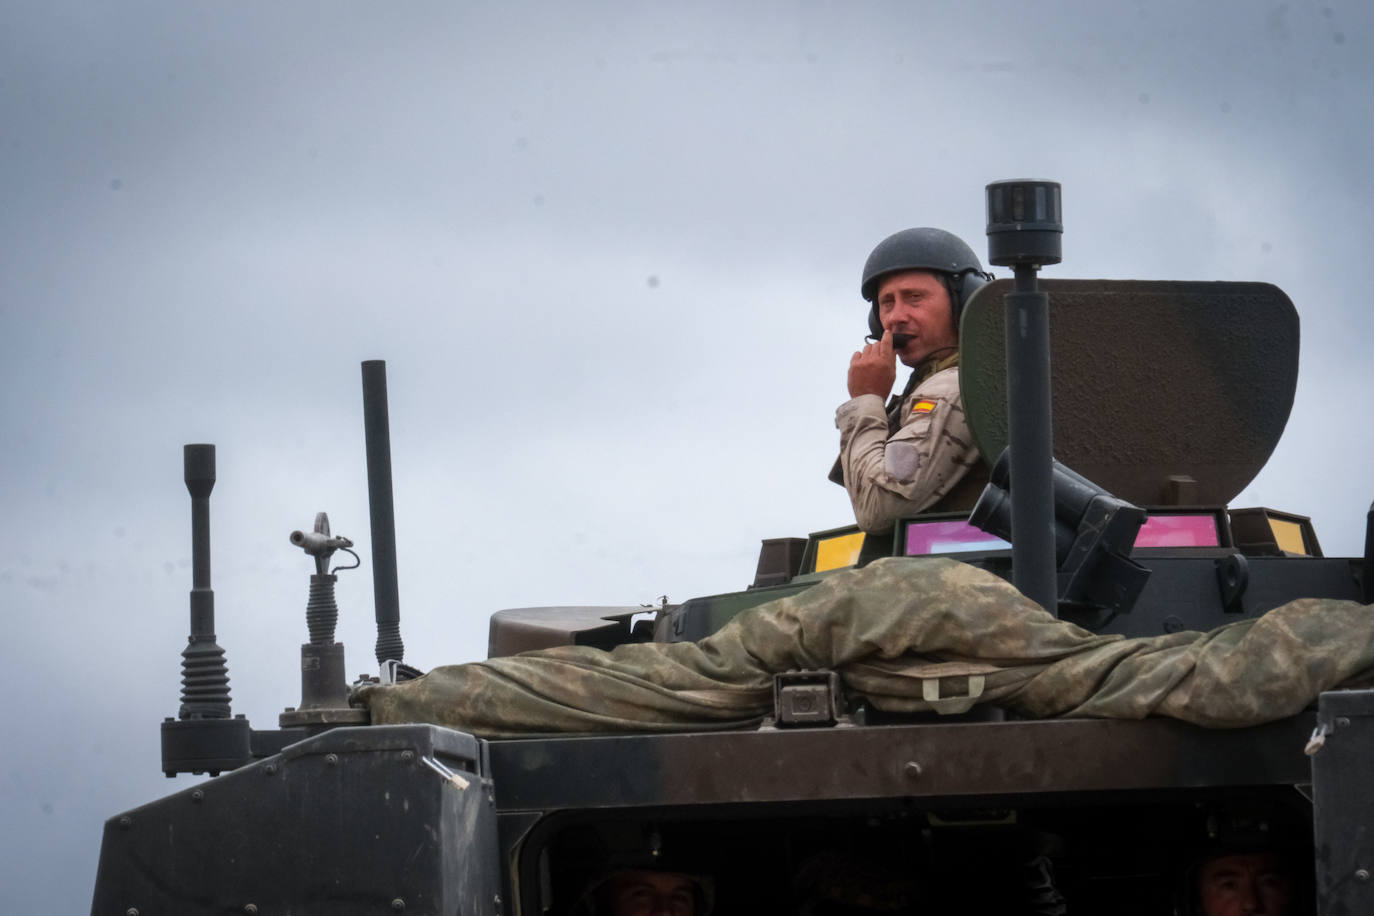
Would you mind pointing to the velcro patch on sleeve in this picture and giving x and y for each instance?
(923, 406)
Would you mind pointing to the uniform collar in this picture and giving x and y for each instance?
(938, 361)
(935, 362)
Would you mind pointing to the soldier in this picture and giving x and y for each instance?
(1246, 884)
(628, 870)
(646, 892)
(1245, 864)
(916, 454)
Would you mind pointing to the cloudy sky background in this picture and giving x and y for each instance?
(610, 252)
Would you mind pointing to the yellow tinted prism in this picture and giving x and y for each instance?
(1288, 535)
(839, 552)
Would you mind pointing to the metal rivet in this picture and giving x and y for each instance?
(131, 911)
(1362, 875)
(398, 904)
(197, 796)
(270, 769)
(496, 899)
(913, 769)
(250, 908)
(126, 822)
(1342, 722)
(331, 759)
(407, 756)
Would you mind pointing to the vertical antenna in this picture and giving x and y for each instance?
(203, 738)
(204, 675)
(377, 428)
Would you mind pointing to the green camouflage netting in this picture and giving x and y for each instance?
(906, 634)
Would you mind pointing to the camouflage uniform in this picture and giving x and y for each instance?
(914, 456)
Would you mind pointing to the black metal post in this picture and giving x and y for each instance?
(377, 428)
(1031, 433)
(1025, 227)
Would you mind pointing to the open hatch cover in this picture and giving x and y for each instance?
(1150, 379)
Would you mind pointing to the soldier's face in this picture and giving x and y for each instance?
(653, 893)
(1255, 884)
(915, 302)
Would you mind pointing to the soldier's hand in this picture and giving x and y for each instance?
(873, 370)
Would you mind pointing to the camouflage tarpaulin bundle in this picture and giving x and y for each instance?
(904, 633)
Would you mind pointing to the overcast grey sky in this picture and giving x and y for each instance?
(610, 252)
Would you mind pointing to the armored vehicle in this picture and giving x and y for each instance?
(902, 777)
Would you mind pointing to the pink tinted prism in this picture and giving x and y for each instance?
(952, 536)
(958, 536)
(1179, 531)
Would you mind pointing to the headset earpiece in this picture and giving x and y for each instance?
(875, 327)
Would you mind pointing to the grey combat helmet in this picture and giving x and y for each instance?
(923, 249)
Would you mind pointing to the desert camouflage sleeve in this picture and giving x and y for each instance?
(890, 477)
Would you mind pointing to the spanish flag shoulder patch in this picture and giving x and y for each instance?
(924, 405)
